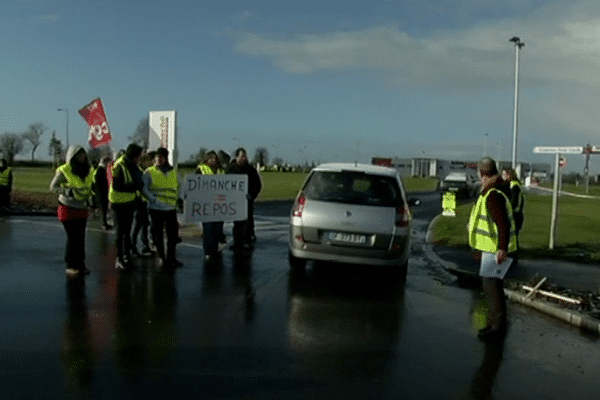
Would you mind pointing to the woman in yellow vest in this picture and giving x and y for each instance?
(124, 194)
(492, 232)
(161, 187)
(73, 183)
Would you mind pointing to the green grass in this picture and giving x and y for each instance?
(577, 233)
(276, 185)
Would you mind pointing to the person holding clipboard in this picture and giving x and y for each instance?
(492, 232)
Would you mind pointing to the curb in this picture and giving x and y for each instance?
(571, 317)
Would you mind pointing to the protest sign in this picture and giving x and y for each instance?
(210, 198)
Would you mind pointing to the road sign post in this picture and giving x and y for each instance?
(557, 151)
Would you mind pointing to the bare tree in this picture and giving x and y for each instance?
(55, 149)
(141, 134)
(11, 144)
(261, 156)
(33, 136)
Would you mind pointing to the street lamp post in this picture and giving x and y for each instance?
(518, 46)
(66, 110)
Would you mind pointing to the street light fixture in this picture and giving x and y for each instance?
(518, 46)
(66, 110)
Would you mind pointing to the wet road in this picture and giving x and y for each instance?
(253, 330)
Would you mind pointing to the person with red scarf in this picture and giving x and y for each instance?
(73, 183)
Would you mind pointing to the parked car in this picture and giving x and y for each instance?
(353, 214)
(464, 184)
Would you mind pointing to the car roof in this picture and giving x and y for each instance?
(366, 168)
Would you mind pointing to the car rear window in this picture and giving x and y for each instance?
(353, 188)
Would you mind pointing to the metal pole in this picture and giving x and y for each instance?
(67, 111)
(554, 201)
(518, 45)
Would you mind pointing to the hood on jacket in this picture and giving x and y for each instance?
(72, 151)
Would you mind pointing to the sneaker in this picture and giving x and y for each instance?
(122, 265)
(146, 251)
(72, 272)
(107, 227)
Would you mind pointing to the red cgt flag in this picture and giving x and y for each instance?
(95, 117)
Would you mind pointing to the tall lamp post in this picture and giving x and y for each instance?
(66, 110)
(518, 46)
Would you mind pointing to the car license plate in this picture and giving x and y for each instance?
(347, 238)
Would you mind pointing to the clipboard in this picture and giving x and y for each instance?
(490, 269)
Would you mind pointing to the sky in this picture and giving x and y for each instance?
(313, 80)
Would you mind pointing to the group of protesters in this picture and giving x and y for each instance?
(144, 192)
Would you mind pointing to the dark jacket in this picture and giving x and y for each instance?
(254, 182)
(136, 174)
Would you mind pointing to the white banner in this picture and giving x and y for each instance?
(210, 198)
(162, 133)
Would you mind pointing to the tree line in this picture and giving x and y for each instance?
(12, 143)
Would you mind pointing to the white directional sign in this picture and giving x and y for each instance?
(558, 149)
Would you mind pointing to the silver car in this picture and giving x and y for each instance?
(354, 214)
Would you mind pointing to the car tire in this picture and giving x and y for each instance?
(298, 265)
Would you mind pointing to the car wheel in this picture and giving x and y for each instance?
(296, 264)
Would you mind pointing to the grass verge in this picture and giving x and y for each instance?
(577, 233)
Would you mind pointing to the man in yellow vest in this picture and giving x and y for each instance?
(491, 231)
(124, 193)
(161, 187)
(6, 179)
(517, 199)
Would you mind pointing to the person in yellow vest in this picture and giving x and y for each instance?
(449, 204)
(73, 183)
(491, 231)
(140, 218)
(517, 199)
(212, 232)
(162, 188)
(124, 194)
(6, 179)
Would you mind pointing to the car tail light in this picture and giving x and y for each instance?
(402, 215)
(298, 206)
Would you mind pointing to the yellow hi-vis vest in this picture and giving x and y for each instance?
(83, 187)
(519, 207)
(121, 197)
(483, 232)
(165, 187)
(449, 201)
(4, 177)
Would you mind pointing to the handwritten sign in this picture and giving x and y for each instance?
(211, 198)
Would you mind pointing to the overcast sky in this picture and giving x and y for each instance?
(310, 80)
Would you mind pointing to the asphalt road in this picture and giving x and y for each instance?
(252, 330)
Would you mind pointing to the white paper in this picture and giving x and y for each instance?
(490, 268)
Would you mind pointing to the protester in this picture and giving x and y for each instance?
(140, 217)
(243, 231)
(212, 232)
(73, 183)
(161, 187)
(124, 193)
(6, 180)
(101, 189)
(492, 232)
(516, 196)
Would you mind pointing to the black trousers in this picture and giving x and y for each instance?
(4, 196)
(140, 224)
(123, 220)
(165, 220)
(244, 230)
(75, 246)
(103, 201)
